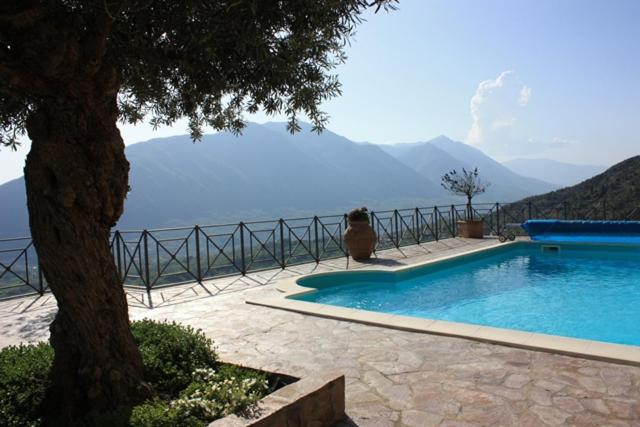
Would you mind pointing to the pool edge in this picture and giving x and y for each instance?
(589, 349)
(291, 288)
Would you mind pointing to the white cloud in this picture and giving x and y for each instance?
(525, 95)
(498, 112)
(479, 99)
(501, 124)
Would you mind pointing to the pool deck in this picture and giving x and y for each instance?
(394, 377)
(597, 350)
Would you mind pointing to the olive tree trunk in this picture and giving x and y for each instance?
(77, 178)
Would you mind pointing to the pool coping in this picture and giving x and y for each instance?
(590, 349)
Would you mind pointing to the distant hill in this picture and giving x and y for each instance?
(434, 158)
(264, 173)
(14, 221)
(619, 186)
(558, 173)
(267, 173)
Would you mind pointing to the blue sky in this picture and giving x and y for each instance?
(412, 75)
(556, 79)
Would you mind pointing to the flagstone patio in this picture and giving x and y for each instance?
(394, 378)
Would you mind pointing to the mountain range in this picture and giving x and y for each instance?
(616, 191)
(268, 173)
(558, 173)
(434, 158)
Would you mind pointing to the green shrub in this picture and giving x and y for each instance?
(213, 394)
(159, 414)
(171, 353)
(227, 371)
(24, 372)
(177, 360)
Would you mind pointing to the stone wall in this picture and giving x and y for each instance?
(315, 401)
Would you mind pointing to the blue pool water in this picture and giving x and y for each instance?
(582, 291)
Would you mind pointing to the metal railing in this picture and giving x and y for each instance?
(152, 259)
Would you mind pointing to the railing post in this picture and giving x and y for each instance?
(373, 227)
(315, 227)
(282, 257)
(26, 265)
(418, 227)
(198, 265)
(435, 222)
(116, 240)
(147, 280)
(498, 218)
(243, 264)
(454, 221)
(373, 223)
(396, 230)
(40, 281)
(346, 224)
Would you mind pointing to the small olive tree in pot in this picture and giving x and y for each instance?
(467, 184)
(359, 236)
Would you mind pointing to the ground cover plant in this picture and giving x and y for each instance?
(190, 387)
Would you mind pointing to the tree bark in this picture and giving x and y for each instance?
(77, 178)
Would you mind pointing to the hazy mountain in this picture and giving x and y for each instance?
(264, 173)
(14, 221)
(559, 173)
(425, 158)
(434, 158)
(268, 173)
(619, 186)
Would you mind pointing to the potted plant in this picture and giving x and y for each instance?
(468, 184)
(359, 236)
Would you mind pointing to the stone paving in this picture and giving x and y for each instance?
(394, 378)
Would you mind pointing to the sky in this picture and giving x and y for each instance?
(553, 79)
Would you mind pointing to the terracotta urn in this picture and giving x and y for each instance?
(360, 239)
(471, 229)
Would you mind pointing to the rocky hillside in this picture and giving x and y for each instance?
(616, 191)
(561, 174)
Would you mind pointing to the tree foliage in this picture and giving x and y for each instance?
(208, 61)
(467, 183)
(70, 69)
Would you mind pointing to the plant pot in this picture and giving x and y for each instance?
(471, 229)
(360, 240)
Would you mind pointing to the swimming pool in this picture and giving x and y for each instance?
(573, 290)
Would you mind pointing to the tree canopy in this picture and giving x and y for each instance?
(208, 61)
(70, 69)
(467, 183)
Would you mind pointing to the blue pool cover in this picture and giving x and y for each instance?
(551, 230)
